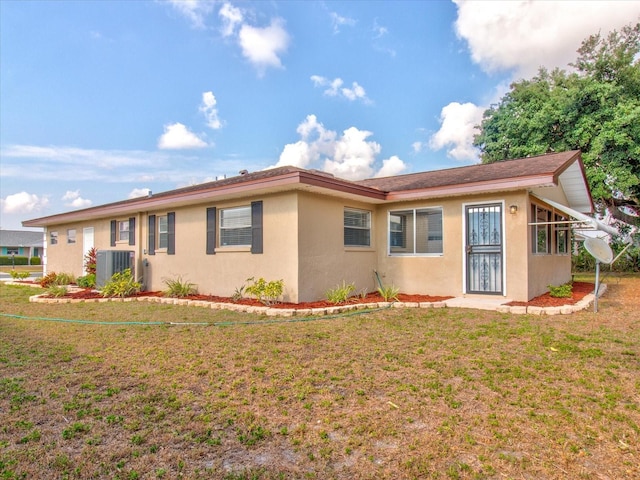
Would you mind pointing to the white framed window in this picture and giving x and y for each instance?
(71, 235)
(235, 226)
(163, 231)
(416, 231)
(53, 238)
(540, 232)
(357, 228)
(123, 231)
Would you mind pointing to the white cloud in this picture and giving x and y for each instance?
(231, 17)
(391, 166)
(378, 30)
(208, 108)
(194, 10)
(23, 202)
(335, 88)
(417, 147)
(73, 199)
(139, 192)
(351, 156)
(263, 46)
(524, 35)
(457, 128)
(176, 136)
(338, 21)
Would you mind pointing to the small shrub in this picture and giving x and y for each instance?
(88, 281)
(19, 274)
(65, 279)
(238, 294)
(266, 292)
(179, 288)
(561, 291)
(48, 280)
(90, 261)
(340, 293)
(389, 292)
(35, 261)
(56, 291)
(121, 284)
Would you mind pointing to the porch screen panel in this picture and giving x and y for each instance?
(484, 249)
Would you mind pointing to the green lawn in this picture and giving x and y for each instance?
(396, 394)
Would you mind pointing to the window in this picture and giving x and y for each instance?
(235, 226)
(13, 251)
(71, 235)
(562, 235)
(123, 231)
(415, 232)
(163, 231)
(540, 232)
(357, 228)
(53, 238)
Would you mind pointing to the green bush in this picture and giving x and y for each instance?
(266, 292)
(389, 293)
(340, 293)
(15, 260)
(179, 288)
(121, 284)
(88, 281)
(57, 291)
(561, 291)
(19, 274)
(65, 279)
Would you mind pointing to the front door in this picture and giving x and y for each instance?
(484, 248)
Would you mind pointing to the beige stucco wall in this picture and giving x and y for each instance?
(445, 274)
(324, 260)
(230, 267)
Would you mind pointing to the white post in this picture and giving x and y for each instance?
(595, 299)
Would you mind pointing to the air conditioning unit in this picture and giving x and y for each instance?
(109, 262)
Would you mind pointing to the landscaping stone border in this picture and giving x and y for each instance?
(324, 311)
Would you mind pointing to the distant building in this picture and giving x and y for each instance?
(21, 243)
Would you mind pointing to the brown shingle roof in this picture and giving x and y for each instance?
(549, 164)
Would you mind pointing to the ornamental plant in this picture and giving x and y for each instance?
(266, 292)
(389, 292)
(121, 284)
(340, 293)
(179, 288)
(91, 261)
(561, 291)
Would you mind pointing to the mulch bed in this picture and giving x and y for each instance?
(88, 293)
(579, 291)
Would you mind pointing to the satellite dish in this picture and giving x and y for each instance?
(599, 249)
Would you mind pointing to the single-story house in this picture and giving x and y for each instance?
(492, 229)
(21, 243)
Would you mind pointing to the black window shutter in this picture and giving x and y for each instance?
(211, 231)
(114, 226)
(132, 231)
(171, 233)
(256, 227)
(152, 234)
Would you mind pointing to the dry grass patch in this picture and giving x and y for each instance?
(441, 393)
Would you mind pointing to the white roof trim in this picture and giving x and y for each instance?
(579, 216)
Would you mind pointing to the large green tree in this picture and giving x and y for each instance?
(595, 107)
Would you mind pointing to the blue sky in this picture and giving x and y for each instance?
(105, 100)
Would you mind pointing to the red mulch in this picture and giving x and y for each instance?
(579, 291)
(88, 293)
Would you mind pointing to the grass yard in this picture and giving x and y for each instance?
(393, 394)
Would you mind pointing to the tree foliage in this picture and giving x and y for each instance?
(594, 108)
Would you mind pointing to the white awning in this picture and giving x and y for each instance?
(579, 216)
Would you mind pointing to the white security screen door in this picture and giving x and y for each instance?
(484, 248)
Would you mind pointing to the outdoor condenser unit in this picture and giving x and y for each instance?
(109, 262)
